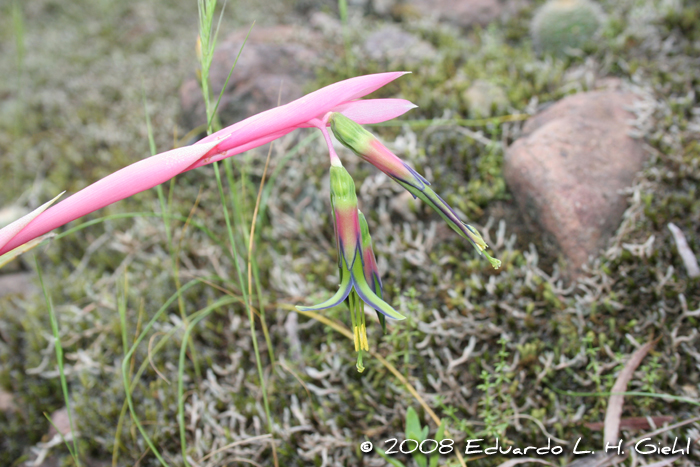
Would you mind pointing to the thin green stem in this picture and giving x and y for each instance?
(129, 385)
(121, 308)
(59, 357)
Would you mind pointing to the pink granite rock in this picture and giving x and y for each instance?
(566, 170)
(273, 56)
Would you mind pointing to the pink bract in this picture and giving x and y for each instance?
(247, 134)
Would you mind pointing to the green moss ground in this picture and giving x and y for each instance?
(75, 113)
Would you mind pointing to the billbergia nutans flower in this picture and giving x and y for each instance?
(364, 144)
(337, 105)
(354, 269)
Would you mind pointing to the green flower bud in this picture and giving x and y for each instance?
(342, 186)
(350, 134)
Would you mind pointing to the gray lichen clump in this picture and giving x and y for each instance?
(560, 26)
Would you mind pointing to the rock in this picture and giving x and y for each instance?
(393, 45)
(61, 422)
(560, 26)
(17, 283)
(566, 170)
(484, 98)
(328, 25)
(273, 56)
(462, 13)
(6, 402)
(384, 7)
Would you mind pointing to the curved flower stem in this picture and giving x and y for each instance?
(321, 125)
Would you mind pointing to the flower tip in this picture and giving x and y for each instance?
(476, 238)
(496, 263)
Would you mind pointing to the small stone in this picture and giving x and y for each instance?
(61, 421)
(274, 58)
(6, 402)
(384, 7)
(17, 283)
(462, 13)
(484, 98)
(393, 45)
(567, 169)
(326, 24)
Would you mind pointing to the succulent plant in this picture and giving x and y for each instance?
(560, 26)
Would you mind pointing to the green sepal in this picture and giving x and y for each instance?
(382, 321)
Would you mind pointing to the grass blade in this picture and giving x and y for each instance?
(59, 357)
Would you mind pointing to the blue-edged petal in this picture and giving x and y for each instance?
(344, 289)
(369, 297)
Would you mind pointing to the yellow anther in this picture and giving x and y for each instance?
(364, 345)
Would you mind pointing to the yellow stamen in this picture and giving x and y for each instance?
(363, 337)
(357, 338)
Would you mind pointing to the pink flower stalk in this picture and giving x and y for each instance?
(311, 110)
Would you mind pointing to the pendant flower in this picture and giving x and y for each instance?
(359, 280)
(349, 244)
(364, 144)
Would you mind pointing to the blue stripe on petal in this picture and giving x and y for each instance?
(369, 297)
(342, 293)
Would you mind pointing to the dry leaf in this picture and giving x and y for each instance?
(612, 414)
(689, 260)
